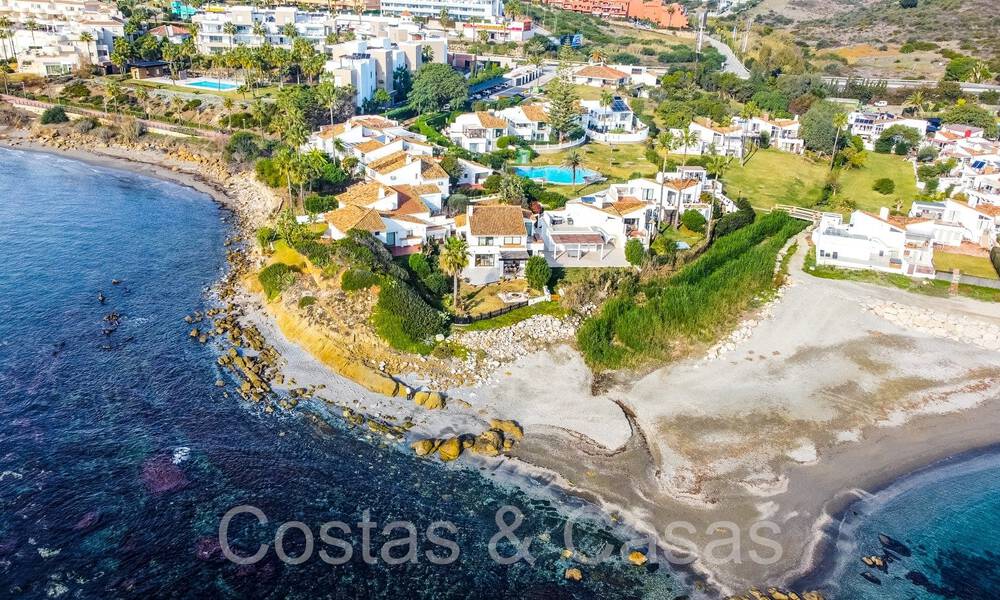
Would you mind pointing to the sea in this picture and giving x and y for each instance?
(121, 459)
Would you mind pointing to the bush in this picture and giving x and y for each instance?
(307, 301)
(266, 235)
(84, 125)
(884, 186)
(51, 116)
(731, 222)
(275, 279)
(268, 173)
(927, 154)
(537, 272)
(419, 265)
(634, 252)
(457, 203)
(404, 319)
(320, 204)
(357, 279)
(438, 284)
(694, 221)
(995, 258)
(105, 134)
(244, 146)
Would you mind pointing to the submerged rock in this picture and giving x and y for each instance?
(87, 521)
(209, 549)
(161, 475)
(573, 574)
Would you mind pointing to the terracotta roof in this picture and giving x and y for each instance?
(490, 121)
(363, 194)
(989, 210)
(681, 184)
(624, 206)
(878, 218)
(330, 131)
(535, 113)
(354, 217)
(600, 72)
(388, 164)
(710, 124)
(409, 200)
(497, 219)
(407, 218)
(373, 122)
(366, 147)
(168, 31)
(432, 170)
(899, 221)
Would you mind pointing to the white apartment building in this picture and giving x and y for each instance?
(255, 26)
(869, 126)
(460, 10)
(56, 46)
(783, 134)
(726, 140)
(477, 131)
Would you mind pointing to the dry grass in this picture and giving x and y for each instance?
(481, 299)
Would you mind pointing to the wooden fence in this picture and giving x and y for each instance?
(468, 319)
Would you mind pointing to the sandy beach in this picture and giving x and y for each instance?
(823, 398)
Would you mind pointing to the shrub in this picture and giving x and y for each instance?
(56, 114)
(266, 235)
(275, 279)
(105, 134)
(307, 301)
(884, 186)
(244, 146)
(191, 104)
(730, 222)
(357, 279)
(694, 221)
(419, 265)
(457, 203)
(404, 319)
(995, 258)
(634, 252)
(268, 173)
(320, 204)
(84, 125)
(902, 149)
(437, 283)
(927, 154)
(537, 272)
(132, 129)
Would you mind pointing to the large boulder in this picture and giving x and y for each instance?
(488, 443)
(429, 400)
(424, 447)
(450, 449)
(510, 428)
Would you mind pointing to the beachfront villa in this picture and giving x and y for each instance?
(501, 238)
(877, 242)
(870, 125)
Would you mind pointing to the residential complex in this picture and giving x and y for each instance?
(870, 125)
(65, 34)
(653, 11)
(254, 27)
(461, 10)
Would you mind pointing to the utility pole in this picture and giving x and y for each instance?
(746, 35)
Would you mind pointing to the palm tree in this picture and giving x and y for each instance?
(32, 26)
(573, 161)
(454, 258)
(687, 139)
(917, 101)
(839, 121)
(667, 143)
(285, 163)
(142, 95)
(289, 31)
(259, 31)
(326, 95)
(748, 111)
(6, 25)
(230, 30)
(598, 55)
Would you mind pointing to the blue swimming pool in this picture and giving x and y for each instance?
(555, 174)
(217, 86)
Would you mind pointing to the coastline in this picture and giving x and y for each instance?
(567, 457)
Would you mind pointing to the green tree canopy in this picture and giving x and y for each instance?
(818, 129)
(970, 114)
(436, 86)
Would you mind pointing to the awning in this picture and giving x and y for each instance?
(577, 238)
(514, 255)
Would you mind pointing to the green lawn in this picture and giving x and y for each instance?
(977, 266)
(517, 315)
(771, 177)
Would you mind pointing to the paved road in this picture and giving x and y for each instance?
(972, 88)
(733, 64)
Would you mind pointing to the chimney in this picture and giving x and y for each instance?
(381, 192)
(883, 213)
(968, 133)
(409, 158)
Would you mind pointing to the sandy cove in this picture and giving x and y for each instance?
(820, 399)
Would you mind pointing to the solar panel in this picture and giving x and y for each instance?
(618, 105)
(979, 164)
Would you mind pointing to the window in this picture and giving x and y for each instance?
(486, 241)
(511, 240)
(484, 260)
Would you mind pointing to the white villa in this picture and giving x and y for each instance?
(477, 131)
(869, 126)
(500, 238)
(873, 242)
(368, 138)
(528, 121)
(615, 123)
(599, 76)
(783, 134)
(726, 140)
